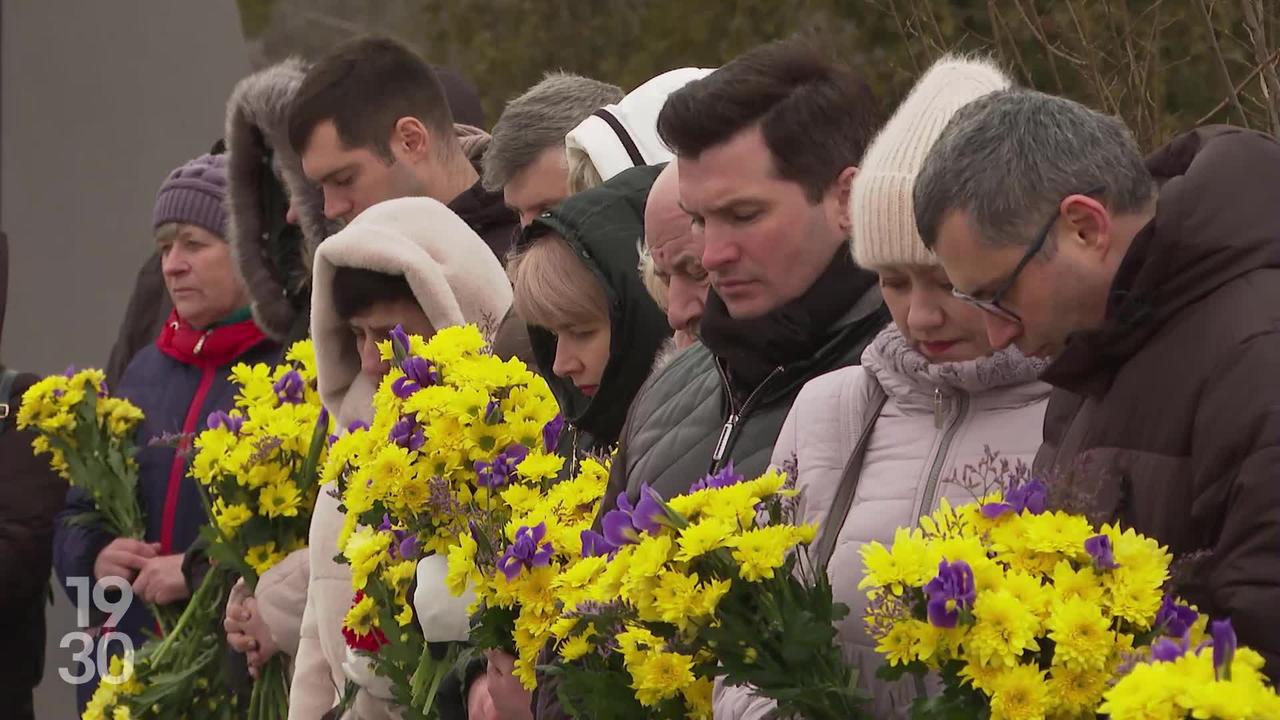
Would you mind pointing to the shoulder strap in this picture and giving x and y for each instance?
(8, 408)
(830, 530)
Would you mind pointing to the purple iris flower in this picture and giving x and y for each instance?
(404, 388)
(220, 419)
(420, 370)
(618, 528)
(1099, 548)
(1167, 649)
(1175, 620)
(594, 544)
(551, 433)
(385, 525)
(1224, 647)
(289, 388)
(528, 551)
(949, 593)
(499, 472)
(399, 342)
(726, 477)
(1030, 496)
(408, 547)
(357, 425)
(407, 434)
(649, 513)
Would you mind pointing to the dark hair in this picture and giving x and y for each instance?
(817, 117)
(364, 87)
(356, 290)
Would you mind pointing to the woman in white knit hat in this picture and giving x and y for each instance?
(873, 446)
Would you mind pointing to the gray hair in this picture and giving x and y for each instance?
(539, 119)
(1010, 157)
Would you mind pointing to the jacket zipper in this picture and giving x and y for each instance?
(948, 435)
(735, 416)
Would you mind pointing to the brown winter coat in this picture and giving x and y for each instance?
(1168, 416)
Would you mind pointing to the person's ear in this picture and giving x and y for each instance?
(410, 139)
(1088, 225)
(843, 188)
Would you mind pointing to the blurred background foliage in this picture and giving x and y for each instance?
(1162, 65)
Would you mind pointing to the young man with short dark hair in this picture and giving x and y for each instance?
(371, 122)
(766, 149)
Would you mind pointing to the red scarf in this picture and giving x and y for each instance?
(214, 347)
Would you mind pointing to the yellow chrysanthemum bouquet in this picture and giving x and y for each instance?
(713, 582)
(89, 438)
(516, 559)
(1022, 611)
(1203, 675)
(258, 467)
(451, 424)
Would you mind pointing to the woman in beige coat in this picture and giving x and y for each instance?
(930, 389)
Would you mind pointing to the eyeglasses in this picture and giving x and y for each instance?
(993, 305)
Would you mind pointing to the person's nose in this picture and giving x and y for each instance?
(566, 362)
(371, 361)
(336, 205)
(685, 300)
(1001, 332)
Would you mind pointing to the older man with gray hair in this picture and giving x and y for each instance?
(526, 158)
(1155, 291)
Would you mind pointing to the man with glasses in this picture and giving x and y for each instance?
(1155, 292)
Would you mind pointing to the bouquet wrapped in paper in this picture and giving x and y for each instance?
(452, 423)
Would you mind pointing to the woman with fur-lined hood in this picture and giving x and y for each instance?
(873, 446)
(408, 262)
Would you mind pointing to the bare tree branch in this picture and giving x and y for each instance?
(1253, 23)
(1235, 91)
(1233, 94)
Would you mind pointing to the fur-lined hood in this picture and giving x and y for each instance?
(275, 266)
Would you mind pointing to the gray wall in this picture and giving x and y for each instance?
(100, 100)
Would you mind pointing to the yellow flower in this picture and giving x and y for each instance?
(1082, 635)
(703, 536)
(540, 466)
(1075, 690)
(230, 517)
(362, 618)
(908, 562)
(657, 676)
(399, 576)
(698, 697)
(1084, 583)
(577, 646)
(365, 550)
(1019, 694)
(280, 500)
(760, 551)
(263, 557)
(1003, 629)
(462, 564)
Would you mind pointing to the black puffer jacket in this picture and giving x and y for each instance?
(30, 495)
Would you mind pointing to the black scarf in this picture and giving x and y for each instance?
(796, 331)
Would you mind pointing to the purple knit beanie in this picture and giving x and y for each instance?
(195, 194)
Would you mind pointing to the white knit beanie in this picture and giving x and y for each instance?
(880, 207)
(625, 134)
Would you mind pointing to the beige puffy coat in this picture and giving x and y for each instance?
(456, 280)
(938, 419)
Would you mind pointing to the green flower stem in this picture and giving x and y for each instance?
(195, 607)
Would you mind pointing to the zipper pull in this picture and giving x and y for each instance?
(722, 445)
(200, 343)
(939, 411)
